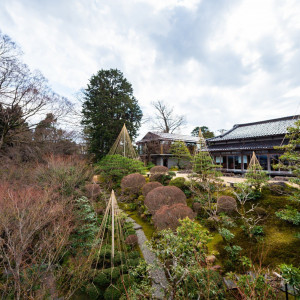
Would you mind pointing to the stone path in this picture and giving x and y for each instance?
(157, 275)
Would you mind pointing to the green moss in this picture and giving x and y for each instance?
(212, 245)
(147, 227)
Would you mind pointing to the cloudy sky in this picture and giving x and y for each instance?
(219, 62)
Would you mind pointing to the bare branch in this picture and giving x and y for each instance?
(165, 120)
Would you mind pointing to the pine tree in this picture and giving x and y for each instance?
(292, 156)
(180, 152)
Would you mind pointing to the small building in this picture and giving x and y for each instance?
(155, 147)
(234, 148)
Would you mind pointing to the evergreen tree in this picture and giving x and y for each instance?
(108, 104)
(180, 152)
(292, 156)
(205, 132)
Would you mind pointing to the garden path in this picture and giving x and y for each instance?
(159, 280)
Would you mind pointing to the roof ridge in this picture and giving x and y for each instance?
(266, 121)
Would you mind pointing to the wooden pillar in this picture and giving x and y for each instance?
(242, 162)
(269, 163)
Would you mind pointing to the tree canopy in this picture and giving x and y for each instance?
(205, 132)
(180, 152)
(108, 105)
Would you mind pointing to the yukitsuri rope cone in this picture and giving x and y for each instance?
(201, 142)
(109, 241)
(123, 145)
(254, 164)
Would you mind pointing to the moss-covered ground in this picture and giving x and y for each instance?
(278, 244)
(147, 227)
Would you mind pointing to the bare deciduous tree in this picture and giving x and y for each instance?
(24, 95)
(165, 120)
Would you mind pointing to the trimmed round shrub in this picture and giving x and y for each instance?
(112, 292)
(148, 187)
(92, 291)
(131, 240)
(101, 279)
(179, 182)
(133, 262)
(226, 204)
(159, 170)
(164, 195)
(169, 216)
(113, 274)
(158, 177)
(119, 258)
(92, 190)
(132, 183)
(133, 254)
(124, 280)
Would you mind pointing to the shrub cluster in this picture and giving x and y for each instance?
(169, 216)
(132, 183)
(226, 204)
(148, 187)
(159, 170)
(165, 195)
(113, 168)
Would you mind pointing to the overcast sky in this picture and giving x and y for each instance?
(218, 62)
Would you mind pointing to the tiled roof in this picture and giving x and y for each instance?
(257, 129)
(177, 137)
(247, 146)
(172, 136)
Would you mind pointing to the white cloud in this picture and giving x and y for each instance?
(218, 62)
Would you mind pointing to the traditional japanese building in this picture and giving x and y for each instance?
(155, 147)
(233, 149)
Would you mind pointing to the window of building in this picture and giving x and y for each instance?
(231, 162)
(237, 162)
(263, 160)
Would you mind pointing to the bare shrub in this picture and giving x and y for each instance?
(226, 204)
(148, 187)
(131, 240)
(132, 183)
(92, 190)
(159, 170)
(65, 174)
(165, 195)
(34, 230)
(169, 216)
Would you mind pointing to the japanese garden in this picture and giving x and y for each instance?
(99, 214)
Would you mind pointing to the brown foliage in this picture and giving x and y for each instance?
(132, 183)
(226, 204)
(92, 190)
(197, 207)
(165, 195)
(159, 169)
(169, 216)
(131, 240)
(34, 228)
(148, 187)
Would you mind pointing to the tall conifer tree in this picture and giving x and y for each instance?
(108, 105)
